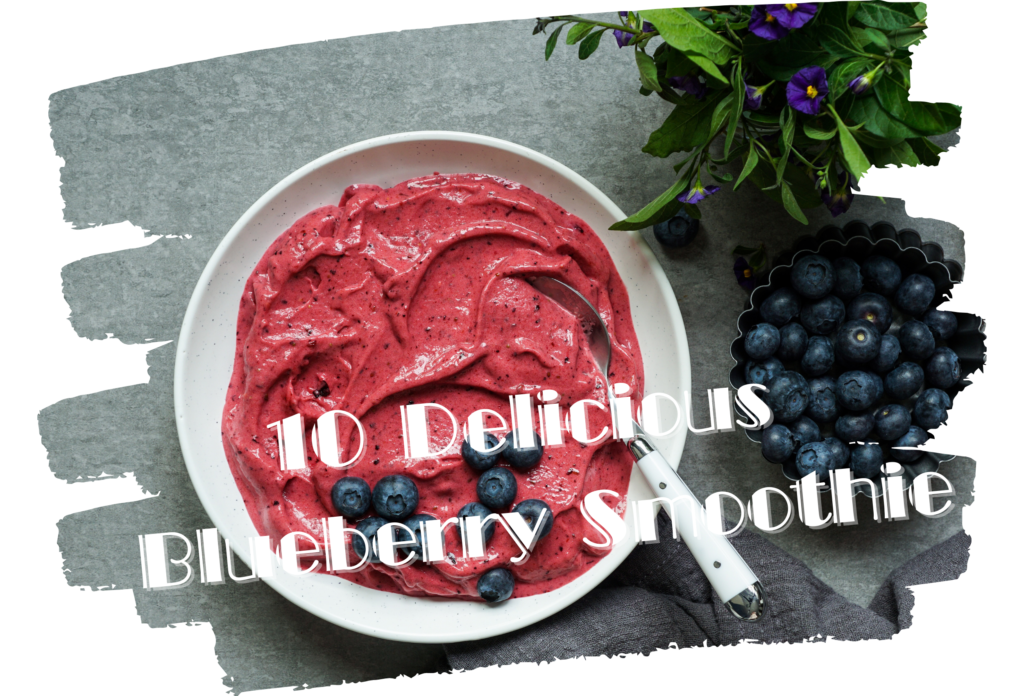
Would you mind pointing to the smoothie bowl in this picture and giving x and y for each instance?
(390, 272)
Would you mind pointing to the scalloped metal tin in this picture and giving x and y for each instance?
(858, 241)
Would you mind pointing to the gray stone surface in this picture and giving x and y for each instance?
(187, 149)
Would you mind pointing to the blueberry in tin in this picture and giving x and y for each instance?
(881, 275)
(523, 458)
(351, 496)
(497, 488)
(812, 276)
(496, 585)
(915, 294)
(930, 409)
(871, 306)
(904, 381)
(914, 437)
(762, 372)
(762, 341)
(858, 342)
(395, 497)
(916, 340)
(532, 510)
(781, 307)
(942, 324)
(858, 390)
(849, 282)
(480, 510)
(819, 356)
(854, 427)
(866, 460)
(823, 406)
(792, 341)
(822, 317)
(892, 422)
(482, 461)
(888, 355)
(788, 396)
(817, 458)
(777, 443)
(804, 431)
(943, 368)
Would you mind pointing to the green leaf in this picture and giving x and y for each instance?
(813, 132)
(853, 157)
(838, 43)
(552, 42)
(678, 64)
(790, 204)
(590, 44)
(788, 124)
(885, 15)
(873, 36)
(644, 92)
(738, 99)
(660, 209)
(926, 151)
(687, 127)
(682, 31)
(868, 111)
(648, 71)
(691, 210)
(723, 179)
(578, 32)
(926, 118)
(909, 38)
(757, 259)
(748, 167)
(721, 113)
(707, 66)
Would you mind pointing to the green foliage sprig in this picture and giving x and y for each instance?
(809, 96)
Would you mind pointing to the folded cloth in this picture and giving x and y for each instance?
(659, 596)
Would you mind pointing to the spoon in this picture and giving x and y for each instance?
(728, 573)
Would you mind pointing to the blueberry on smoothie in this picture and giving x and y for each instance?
(788, 396)
(942, 324)
(762, 341)
(781, 307)
(823, 406)
(943, 369)
(840, 451)
(819, 356)
(871, 307)
(915, 294)
(866, 460)
(482, 461)
(849, 282)
(858, 342)
(762, 372)
(777, 443)
(496, 488)
(677, 231)
(395, 497)
(892, 422)
(822, 317)
(888, 355)
(792, 341)
(531, 511)
(369, 528)
(858, 390)
(930, 408)
(805, 431)
(812, 276)
(523, 458)
(413, 523)
(816, 457)
(351, 496)
(914, 437)
(904, 381)
(476, 509)
(854, 427)
(496, 585)
(916, 340)
(881, 275)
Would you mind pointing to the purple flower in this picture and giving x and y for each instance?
(623, 13)
(690, 84)
(744, 274)
(648, 27)
(622, 38)
(792, 15)
(697, 193)
(765, 24)
(860, 84)
(807, 89)
(841, 198)
(754, 97)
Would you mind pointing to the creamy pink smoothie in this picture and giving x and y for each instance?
(416, 294)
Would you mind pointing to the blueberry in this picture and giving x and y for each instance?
(792, 342)
(531, 511)
(805, 431)
(395, 497)
(858, 390)
(816, 457)
(888, 355)
(812, 276)
(942, 324)
(762, 341)
(818, 357)
(413, 523)
(351, 496)
(480, 461)
(762, 372)
(892, 422)
(369, 528)
(823, 406)
(904, 381)
(854, 427)
(881, 275)
(496, 488)
(930, 408)
(781, 307)
(821, 318)
(914, 437)
(839, 450)
(915, 294)
(866, 460)
(871, 307)
(943, 369)
(523, 458)
(916, 340)
(777, 443)
(476, 509)
(788, 396)
(677, 231)
(858, 341)
(496, 585)
(849, 282)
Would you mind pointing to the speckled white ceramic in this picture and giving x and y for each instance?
(206, 347)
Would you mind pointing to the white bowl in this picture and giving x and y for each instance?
(206, 349)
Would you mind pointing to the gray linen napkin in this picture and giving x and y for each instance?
(659, 596)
